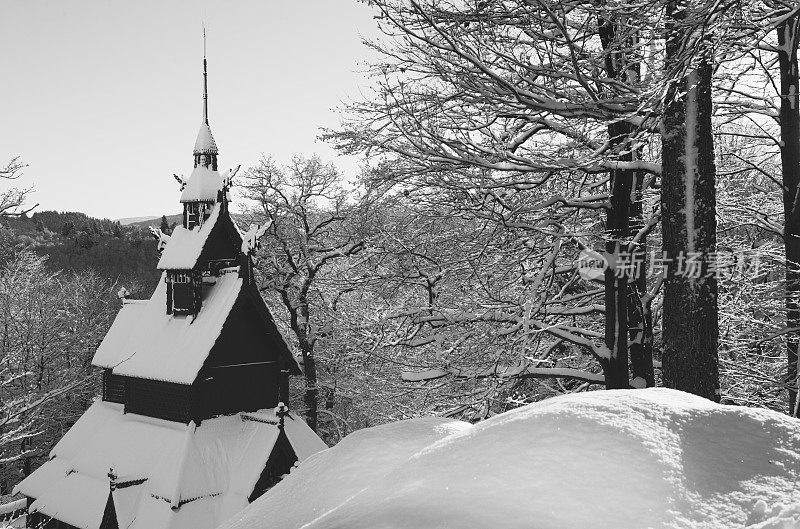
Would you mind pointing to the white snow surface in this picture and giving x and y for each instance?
(605, 459)
(185, 246)
(114, 347)
(146, 342)
(203, 185)
(195, 477)
(205, 144)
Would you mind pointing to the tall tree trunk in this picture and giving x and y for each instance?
(311, 395)
(618, 65)
(616, 284)
(640, 326)
(307, 342)
(299, 322)
(790, 161)
(688, 206)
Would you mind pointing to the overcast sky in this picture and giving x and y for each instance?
(103, 99)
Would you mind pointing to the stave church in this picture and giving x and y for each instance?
(191, 426)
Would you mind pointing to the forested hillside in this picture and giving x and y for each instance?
(75, 242)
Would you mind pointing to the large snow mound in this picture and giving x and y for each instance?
(628, 458)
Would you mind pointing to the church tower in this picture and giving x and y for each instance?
(200, 193)
(191, 426)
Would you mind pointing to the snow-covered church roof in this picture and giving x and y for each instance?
(203, 185)
(205, 144)
(185, 246)
(169, 474)
(146, 342)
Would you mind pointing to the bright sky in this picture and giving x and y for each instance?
(103, 99)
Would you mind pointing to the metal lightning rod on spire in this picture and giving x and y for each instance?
(205, 79)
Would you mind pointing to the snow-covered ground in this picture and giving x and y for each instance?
(643, 458)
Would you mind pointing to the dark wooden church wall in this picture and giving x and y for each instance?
(241, 372)
(109, 520)
(155, 398)
(219, 245)
(226, 391)
(113, 387)
(280, 462)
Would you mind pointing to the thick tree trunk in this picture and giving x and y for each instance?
(616, 284)
(688, 205)
(307, 342)
(311, 395)
(615, 367)
(298, 308)
(621, 64)
(790, 160)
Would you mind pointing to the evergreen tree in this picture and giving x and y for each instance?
(68, 229)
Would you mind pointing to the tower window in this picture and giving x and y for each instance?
(192, 214)
(195, 213)
(183, 290)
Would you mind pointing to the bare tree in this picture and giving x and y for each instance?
(543, 100)
(50, 326)
(765, 40)
(12, 200)
(789, 118)
(311, 224)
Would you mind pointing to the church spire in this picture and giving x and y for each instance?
(205, 79)
(205, 148)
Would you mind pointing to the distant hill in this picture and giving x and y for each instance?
(175, 219)
(133, 220)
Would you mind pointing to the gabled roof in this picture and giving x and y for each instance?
(149, 343)
(185, 246)
(174, 475)
(146, 342)
(205, 144)
(203, 185)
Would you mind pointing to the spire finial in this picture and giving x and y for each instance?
(112, 479)
(205, 79)
(205, 149)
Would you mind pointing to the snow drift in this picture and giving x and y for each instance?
(644, 458)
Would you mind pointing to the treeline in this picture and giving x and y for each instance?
(69, 222)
